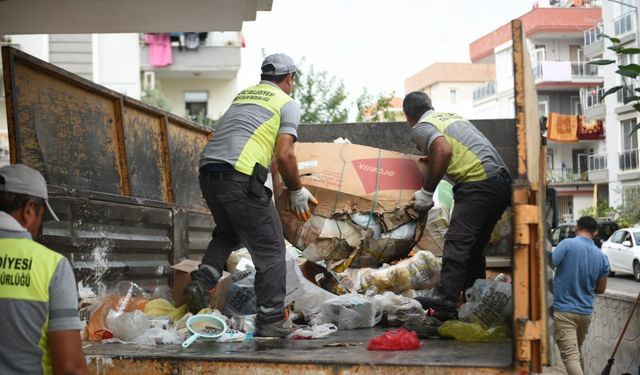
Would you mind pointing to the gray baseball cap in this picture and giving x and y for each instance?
(20, 179)
(278, 64)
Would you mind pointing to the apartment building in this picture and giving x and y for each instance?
(615, 163)
(451, 85)
(555, 40)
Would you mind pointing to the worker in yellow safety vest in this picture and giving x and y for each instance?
(40, 327)
(261, 123)
(456, 150)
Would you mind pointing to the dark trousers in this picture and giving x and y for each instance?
(242, 217)
(478, 207)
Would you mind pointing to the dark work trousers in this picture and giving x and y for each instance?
(478, 207)
(243, 217)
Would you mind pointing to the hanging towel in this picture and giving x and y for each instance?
(159, 49)
(590, 129)
(562, 128)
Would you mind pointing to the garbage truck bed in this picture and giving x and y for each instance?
(341, 353)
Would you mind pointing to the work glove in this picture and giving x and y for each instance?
(299, 203)
(422, 200)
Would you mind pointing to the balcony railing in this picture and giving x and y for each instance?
(628, 160)
(593, 35)
(627, 91)
(559, 70)
(597, 162)
(594, 97)
(624, 24)
(486, 90)
(566, 175)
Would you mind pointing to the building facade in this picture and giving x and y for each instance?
(555, 42)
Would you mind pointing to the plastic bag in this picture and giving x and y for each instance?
(474, 332)
(489, 302)
(127, 325)
(244, 323)
(350, 311)
(421, 271)
(319, 331)
(397, 339)
(97, 328)
(399, 309)
(305, 296)
(241, 298)
(162, 307)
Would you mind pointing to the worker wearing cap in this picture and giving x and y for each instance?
(40, 327)
(455, 149)
(261, 124)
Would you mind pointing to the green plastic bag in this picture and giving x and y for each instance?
(474, 332)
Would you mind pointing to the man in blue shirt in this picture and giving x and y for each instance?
(581, 273)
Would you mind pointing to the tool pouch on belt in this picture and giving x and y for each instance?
(257, 180)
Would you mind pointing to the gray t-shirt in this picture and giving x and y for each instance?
(239, 123)
(23, 319)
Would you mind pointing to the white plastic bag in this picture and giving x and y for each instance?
(350, 311)
(319, 331)
(398, 308)
(129, 325)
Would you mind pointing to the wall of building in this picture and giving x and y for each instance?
(440, 94)
(581, 202)
(221, 93)
(36, 45)
(116, 62)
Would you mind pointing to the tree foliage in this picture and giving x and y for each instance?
(374, 108)
(322, 97)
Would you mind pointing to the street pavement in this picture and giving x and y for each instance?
(623, 284)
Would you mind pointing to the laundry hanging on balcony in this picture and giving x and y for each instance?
(159, 49)
(562, 128)
(590, 130)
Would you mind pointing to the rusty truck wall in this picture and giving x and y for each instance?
(122, 175)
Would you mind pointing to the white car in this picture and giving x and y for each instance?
(622, 250)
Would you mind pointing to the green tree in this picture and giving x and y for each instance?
(156, 98)
(375, 108)
(322, 97)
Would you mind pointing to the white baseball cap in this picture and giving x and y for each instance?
(20, 179)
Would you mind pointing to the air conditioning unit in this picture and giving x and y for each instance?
(148, 81)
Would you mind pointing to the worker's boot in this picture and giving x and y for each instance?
(282, 328)
(437, 306)
(197, 296)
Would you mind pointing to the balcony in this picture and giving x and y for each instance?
(485, 91)
(627, 92)
(592, 103)
(597, 168)
(593, 42)
(217, 58)
(625, 26)
(554, 73)
(566, 176)
(628, 160)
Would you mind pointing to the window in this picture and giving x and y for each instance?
(617, 236)
(543, 105)
(452, 96)
(576, 106)
(549, 158)
(628, 142)
(541, 53)
(196, 104)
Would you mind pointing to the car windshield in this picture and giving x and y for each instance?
(636, 235)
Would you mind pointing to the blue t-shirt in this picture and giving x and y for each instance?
(579, 264)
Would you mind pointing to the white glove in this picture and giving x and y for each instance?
(299, 203)
(422, 200)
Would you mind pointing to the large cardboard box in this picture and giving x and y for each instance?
(182, 277)
(351, 179)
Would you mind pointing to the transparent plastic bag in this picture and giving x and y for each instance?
(398, 308)
(241, 298)
(127, 325)
(489, 302)
(474, 332)
(319, 331)
(421, 271)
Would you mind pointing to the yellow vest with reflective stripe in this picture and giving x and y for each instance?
(26, 270)
(465, 165)
(259, 148)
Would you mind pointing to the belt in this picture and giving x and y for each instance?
(226, 176)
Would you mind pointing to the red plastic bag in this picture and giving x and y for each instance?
(398, 339)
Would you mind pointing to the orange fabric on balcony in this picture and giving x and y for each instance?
(590, 129)
(562, 128)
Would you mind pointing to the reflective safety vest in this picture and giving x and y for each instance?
(260, 146)
(465, 165)
(26, 270)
